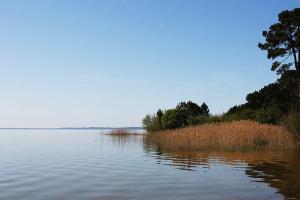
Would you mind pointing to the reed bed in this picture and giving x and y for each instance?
(122, 132)
(229, 136)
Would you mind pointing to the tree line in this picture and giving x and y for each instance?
(275, 103)
(180, 116)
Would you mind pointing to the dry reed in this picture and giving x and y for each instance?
(122, 132)
(230, 136)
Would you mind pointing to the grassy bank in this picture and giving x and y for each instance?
(229, 136)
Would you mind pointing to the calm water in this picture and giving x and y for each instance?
(84, 164)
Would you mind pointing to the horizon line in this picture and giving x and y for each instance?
(131, 127)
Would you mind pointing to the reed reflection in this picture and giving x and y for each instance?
(280, 170)
(124, 137)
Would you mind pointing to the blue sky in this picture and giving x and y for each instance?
(110, 62)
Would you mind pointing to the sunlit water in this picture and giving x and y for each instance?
(85, 164)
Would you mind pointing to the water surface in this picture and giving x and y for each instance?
(85, 164)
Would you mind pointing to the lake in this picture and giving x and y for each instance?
(87, 164)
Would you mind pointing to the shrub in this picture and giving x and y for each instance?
(271, 114)
(151, 123)
(174, 118)
(292, 122)
(243, 114)
(198, 120)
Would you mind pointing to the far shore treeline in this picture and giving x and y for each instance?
(276, 103)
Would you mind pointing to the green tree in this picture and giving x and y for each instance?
(151, 123)
(282, 94)
(270, 114)
(292, 122)
(191, 107)
(283, 41)
(279, 96)
(159, 116)
(204, 109)
(174, 118)
(194, 109)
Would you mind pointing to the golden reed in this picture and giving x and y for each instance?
(122, 132)
(229, 136)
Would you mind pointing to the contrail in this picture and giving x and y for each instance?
(126, 4)
(161, 25)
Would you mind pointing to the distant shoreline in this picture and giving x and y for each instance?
(75, 128)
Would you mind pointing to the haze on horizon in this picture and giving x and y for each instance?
(109, 63)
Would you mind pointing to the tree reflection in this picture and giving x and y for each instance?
(280, 170)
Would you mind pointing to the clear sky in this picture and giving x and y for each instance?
(110, 62)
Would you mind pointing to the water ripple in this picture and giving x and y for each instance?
(56, 164)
